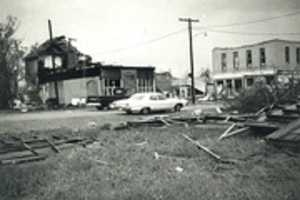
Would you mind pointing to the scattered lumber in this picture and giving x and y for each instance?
(52, 145)
(185, 124)
(264, 109)
(208, 151)
(28, 147)
(238, 131)
(227, 118)
(22, 160)
(230, 128)
(282, 118)
(281, 133)
(148, 122)
(186, 121)
(16, 150)
(262, 128)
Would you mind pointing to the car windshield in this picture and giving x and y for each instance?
(137, 97)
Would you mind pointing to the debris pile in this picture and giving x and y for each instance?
(17, 150)
(278, 124)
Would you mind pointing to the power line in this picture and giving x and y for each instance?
(144, 43)
(248, 33)
(251, 22)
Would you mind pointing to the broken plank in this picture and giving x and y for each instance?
(282, 118)
(52, 145)
(22, 160)
(185, 124)
(230, 128)
(166, 123)
(207, 150)
(282, 132)
(238, 131)
(40, 144)
(28, 147)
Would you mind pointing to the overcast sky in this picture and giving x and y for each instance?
(118, 31)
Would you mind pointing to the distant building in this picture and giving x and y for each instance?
(182, 87)
(77, 77)
(164, 81)
(236, 68)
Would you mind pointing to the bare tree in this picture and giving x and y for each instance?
(11, 66)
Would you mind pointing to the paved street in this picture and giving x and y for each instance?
(22, 122)
(74, 119)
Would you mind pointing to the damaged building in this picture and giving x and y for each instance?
(237, 68)
(74, 76)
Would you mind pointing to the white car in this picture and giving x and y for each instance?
(149, 102)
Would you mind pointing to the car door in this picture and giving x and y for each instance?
(154, 103)
(164, 104)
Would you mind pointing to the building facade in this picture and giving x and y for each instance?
(94, 80)
(237, 68)
(74, 76)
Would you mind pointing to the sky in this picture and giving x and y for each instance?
(148, 32)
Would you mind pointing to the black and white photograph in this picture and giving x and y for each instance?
(149, 100)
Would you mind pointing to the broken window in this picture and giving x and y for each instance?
(238, 85)
(236, 62)
(249, 58)
(145, 85)
(287, 55)
(262, 54)
(223, 62)
(298, 55)
(250, 82)
(219, 83)
(269, 79)
(110, 86)
(229, 87)
(48, 63)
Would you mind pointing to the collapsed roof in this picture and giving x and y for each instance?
(59, 46)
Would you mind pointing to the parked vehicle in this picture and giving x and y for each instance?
(149, 102)
(103, 102)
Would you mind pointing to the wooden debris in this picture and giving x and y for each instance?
(166, 123)
(52, 146)
(238, 131)
(185, 124)
(262, 126)
(142, 143)
(21, 160)
(28, 147)
(282, 118)
(264, 109)
(281, 133)
(21, 151)
(227, 131)
(207, 150)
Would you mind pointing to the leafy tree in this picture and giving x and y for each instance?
(206, 75)
(11, 65)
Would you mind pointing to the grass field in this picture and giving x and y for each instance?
(124, 165)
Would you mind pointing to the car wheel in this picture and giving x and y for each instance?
(145, 111)
(177, 108)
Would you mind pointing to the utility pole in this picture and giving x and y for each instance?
(190, 21)
(53, 60)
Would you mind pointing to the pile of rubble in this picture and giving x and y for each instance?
(278, 124)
